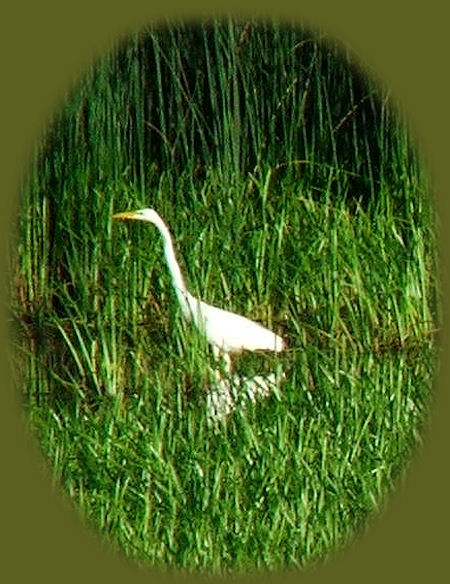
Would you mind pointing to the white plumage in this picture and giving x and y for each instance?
(227, 331)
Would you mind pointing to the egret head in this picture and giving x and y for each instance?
(149, 215)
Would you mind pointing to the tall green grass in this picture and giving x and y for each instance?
(295, 198)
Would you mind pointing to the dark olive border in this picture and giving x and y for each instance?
(45, 46)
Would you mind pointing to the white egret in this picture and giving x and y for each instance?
(226, 331)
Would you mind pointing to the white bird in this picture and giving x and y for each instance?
(226, 331)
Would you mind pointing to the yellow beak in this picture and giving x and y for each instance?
(126, 216)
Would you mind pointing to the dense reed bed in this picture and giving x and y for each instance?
(295, 197)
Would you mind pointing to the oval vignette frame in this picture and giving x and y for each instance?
(396, 541)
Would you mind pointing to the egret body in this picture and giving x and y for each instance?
(226, 331)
